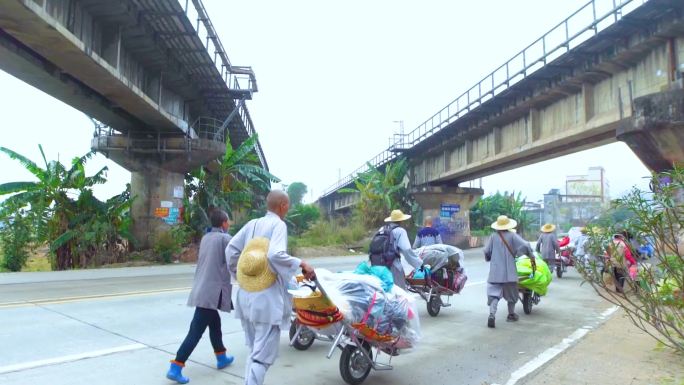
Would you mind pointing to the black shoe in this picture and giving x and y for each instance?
(512, 318)
(490, 322)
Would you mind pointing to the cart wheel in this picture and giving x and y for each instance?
(434, 305)
(354, 366)
(559, 270)
(527, 302)
(305, 338)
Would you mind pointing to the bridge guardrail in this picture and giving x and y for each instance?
(600, 15)
(240, 80)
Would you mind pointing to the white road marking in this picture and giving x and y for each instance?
(555, 350)
(68, 358)
(53, 301)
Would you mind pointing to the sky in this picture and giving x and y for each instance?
(335, 78)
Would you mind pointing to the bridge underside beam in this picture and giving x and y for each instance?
(656, 134)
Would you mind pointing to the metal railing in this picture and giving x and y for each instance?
(557, 41)
(208, 128)
(240, 80)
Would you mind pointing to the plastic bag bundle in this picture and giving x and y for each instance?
(438, 256)
(389, 317)
(539, 282)
(382, 272)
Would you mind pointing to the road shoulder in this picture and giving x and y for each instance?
(617, 352)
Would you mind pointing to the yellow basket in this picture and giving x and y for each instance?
(314, 302)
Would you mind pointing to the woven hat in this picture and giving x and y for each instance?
(253, 270)
(584, 230)
(548, 228)
(504, 223)
(397, 216)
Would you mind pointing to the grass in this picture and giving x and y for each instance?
(333, 233)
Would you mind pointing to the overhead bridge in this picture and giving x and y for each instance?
(152, 74)
(608, 72)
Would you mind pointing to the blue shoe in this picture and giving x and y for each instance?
(174, 373)
(223, 360)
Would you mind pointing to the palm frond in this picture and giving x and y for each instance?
(14, 187)
(26, 162)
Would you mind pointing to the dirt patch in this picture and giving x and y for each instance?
(323, 251)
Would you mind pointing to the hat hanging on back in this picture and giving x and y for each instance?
(504, 223)
(397, 216)
(548, 228)
(253, 270)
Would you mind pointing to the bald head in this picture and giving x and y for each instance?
(278, 202)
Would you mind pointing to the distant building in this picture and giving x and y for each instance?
(586, 196)
(592, 187)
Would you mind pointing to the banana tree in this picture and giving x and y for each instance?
(53, 213)
(236, 183)
(381, 191)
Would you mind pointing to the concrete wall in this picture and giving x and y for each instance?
(104, 39)
(593, 111)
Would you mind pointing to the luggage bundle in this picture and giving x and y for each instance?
(537, 282)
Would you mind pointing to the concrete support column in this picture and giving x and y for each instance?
(158, 203)
(450, 209)
(656, 133)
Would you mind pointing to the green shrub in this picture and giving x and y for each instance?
(333, 233)
(15, 239)
(166, 246)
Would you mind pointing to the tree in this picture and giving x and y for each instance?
(301, 217)
(654, 297)
(380, 192)
(296, 191)
(75, 229)
(487, 210)
(237, 182)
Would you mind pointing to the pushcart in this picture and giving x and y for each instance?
(356, 341)
(433, 290)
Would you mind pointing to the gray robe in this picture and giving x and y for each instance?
(547, 245)
(400, 243)
(502, 263)
(211, 275)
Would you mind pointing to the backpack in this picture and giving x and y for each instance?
(380, 251)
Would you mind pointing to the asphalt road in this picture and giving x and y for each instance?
(122, 326)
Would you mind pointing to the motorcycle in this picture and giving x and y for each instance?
(564, 258)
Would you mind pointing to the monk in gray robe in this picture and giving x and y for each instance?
(547, 245)
(263, 304)
(502, 282)
(211, 291)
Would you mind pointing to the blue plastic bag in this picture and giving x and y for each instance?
(381, 272)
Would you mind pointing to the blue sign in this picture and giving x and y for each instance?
(448, 209)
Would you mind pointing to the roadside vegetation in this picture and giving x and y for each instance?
(653, 299)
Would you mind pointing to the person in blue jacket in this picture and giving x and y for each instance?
(428, 235)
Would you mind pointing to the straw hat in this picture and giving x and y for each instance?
(504, 223)
(584, 230)
(397, 216)
(548, 228)
(253, 270)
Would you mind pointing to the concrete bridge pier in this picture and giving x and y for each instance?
(158, 167)
(656, 133)
(157, 204)
(450, 208)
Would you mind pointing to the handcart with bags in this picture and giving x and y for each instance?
(442, 277)
(368, 322)
(533, 281)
